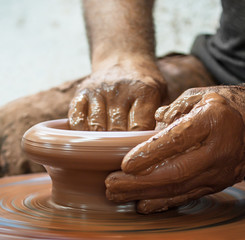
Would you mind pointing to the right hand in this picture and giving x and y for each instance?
(200, 150)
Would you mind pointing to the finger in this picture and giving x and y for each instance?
(163, 204)
(178, 108)
(117, 117)
(78, 112)
(118, 105)
(159, 114)
(171, 178)
(96, 112)
(178, 137)
(141, 115)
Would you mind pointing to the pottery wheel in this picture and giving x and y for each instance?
(27, 212)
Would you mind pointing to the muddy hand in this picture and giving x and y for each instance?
(200, 151)
(117, 100)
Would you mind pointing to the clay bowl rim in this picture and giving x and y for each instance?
(51, 134)
(47, 145)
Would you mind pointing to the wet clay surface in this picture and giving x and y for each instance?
(27, 212)
(78, 162)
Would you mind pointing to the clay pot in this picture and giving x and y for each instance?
(79, 161)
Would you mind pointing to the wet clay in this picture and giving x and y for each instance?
(200, 151)
(78, 162)
(27, 212)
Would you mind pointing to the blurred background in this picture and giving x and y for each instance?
(43, 42)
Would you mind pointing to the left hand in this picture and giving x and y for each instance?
(112, 99)
(200, 151)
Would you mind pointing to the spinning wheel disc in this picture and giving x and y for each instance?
(26, 211)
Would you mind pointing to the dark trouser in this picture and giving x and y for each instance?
(223, 54)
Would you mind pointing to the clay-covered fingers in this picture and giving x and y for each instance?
(87, 112)
(118, 106)
(78, 111)
(131, 107)
(96, 112)
(160, 112)
(167, 114)
(185, 133)
(200, 153)
(159, 116)
(173, 177)
(117, 117)
(146, 100)
(163, 204)
(141, 115)
(180, 136)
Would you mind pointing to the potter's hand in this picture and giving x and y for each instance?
(117, 98)
(199, 151)
(125, 86)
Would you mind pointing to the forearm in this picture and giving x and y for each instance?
(119, 28)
